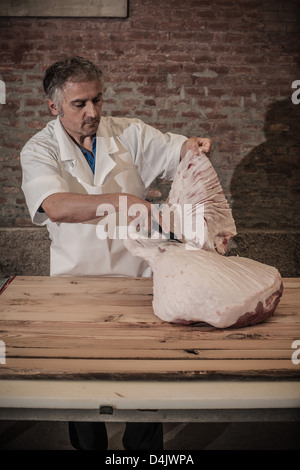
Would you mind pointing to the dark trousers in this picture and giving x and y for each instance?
(137, 436)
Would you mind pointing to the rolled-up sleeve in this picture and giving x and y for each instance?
(41, 177)
(173, 154)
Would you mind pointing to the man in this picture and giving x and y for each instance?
(82, 161)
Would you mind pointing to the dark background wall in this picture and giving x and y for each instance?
(217, 68)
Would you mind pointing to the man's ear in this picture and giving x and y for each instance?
(53, 108)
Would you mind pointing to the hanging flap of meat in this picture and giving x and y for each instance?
(197, 193)
(192, 281)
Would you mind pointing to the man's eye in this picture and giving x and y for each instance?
(79, 105)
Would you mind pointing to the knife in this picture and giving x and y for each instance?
(169, 236)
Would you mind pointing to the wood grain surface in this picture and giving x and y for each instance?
(105, 328)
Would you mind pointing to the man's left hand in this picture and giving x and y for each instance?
(194, 144)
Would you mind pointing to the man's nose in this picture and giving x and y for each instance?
(91, 110)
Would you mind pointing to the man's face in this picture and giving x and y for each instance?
(80, 108)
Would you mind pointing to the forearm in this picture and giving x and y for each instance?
(76, 208)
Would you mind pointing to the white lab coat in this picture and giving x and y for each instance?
(129, 156)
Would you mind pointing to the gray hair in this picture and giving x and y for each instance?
(74, 69)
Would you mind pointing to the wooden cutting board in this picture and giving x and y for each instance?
(63, 328)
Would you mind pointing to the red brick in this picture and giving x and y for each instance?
(149, 60)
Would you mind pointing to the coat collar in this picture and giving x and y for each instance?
(105, 148)
(70, 152)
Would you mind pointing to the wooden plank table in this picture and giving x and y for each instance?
(91, 348)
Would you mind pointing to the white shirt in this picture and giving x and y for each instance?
(129, 156)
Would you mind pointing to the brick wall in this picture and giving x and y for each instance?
(218, 68)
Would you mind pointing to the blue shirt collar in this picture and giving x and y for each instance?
(90, 156)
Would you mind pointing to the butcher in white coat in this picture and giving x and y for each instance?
(82, 161)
